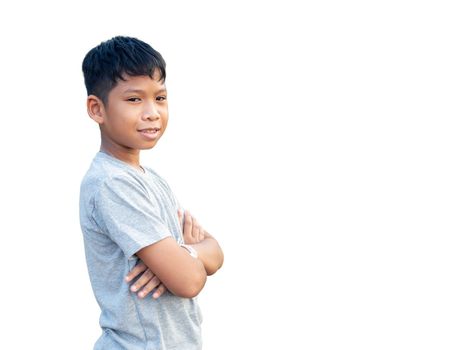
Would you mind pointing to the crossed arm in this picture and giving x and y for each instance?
(166, 265)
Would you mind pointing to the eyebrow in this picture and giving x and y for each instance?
(139, 91)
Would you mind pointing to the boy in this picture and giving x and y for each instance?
(130, 217)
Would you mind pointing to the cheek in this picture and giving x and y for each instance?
(123, 115)
(165, 118)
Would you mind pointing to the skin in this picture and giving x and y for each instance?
(133, 119)
(192, 233)
(133, 105)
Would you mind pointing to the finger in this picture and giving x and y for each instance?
(180, 217)
(159, 291)
(153, 283)
(187, 227)
(201, 234)
(139, 268)
(145, 278)
(195, 230)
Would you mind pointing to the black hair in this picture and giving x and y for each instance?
(105, 64)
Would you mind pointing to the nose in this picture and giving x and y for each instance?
(151, 112)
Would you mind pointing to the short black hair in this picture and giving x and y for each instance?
(105, 64)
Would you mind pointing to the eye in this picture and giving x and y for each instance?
(133, 99)
(161, 98)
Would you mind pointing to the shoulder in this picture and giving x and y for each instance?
(158, 178)
(123, 185)
(106, 179)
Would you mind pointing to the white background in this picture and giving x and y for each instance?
(323, 143)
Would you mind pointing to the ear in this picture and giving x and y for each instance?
(96, 109)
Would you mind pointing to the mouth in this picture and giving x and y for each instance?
(149, 130)
(150, 133)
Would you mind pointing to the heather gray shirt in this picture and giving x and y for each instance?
(121, 211)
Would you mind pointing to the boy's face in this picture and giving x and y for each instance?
(135, 116)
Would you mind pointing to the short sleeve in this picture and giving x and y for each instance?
(124, 211)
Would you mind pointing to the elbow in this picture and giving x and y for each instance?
(194, 286)
(213, 268)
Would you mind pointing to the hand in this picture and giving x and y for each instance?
(192, 230)
(146, 283)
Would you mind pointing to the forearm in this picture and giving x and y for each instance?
(177, 270)
(210, 254)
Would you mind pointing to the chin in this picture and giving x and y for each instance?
(152, 145)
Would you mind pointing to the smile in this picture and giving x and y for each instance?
(150, 133)
(149, 130)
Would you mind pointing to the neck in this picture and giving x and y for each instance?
(129, 156)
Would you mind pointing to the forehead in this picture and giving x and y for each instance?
(139, 82)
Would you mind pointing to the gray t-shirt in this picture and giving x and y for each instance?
(123, 210)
